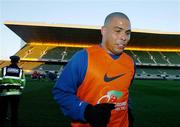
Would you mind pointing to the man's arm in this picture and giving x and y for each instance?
(65, 89)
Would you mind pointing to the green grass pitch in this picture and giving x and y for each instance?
(155, 104)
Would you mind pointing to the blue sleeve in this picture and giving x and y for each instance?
(65, 89)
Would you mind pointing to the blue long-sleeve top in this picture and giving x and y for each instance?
(71, 78)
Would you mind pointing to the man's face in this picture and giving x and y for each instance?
(116, 35)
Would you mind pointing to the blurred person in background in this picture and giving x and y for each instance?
(12, 82)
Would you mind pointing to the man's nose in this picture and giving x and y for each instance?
(123, 36)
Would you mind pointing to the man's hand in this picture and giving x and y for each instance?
(98, 115)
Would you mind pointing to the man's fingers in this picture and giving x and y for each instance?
(108, 105)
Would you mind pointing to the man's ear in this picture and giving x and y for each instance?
(103, 30)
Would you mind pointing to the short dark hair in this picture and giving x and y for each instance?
(115, 14)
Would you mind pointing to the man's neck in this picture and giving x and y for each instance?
(109, 52)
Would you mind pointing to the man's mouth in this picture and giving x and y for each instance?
(120, 46)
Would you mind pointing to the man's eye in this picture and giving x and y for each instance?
(128, 33)
(118, 31)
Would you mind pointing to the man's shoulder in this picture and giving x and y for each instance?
(128, 57)
(79, 54)
(94, 48)
(78, 58)
(3, 67)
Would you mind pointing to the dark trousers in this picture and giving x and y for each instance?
(12, 102)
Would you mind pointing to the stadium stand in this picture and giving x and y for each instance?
(54, 53)
(30, 65)
(172, 57)
(70, 51)
(53, 45)
(158, 58)
(144, 57)
(134, 56)
(48, 67)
